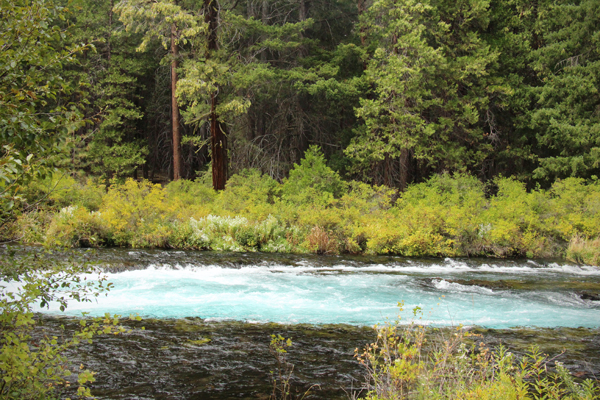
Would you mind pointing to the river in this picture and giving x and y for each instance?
(208, 317)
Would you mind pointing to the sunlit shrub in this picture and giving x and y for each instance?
(312, 182)
(190, 198)
(190, 193)
(250, 194)
(514, 223)
(444, 212)
(409, 361)
(62, 190)
(576, 208)
(584, 251)
(75, 226)
(448, 215)
(128, 207)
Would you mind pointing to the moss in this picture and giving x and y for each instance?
(199, 342)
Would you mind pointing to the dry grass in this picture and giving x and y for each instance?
(584, 251)
(321, 242)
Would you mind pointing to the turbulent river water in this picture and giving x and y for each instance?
(358, 291)
(208, 317)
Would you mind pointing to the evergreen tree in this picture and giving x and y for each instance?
(431, 89)
(566, 116)
(113, 145)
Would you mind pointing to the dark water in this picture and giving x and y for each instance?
(192, 359)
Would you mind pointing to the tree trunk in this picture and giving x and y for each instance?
(218, 137)
(404, 169)
(175, 108)
(110, 22)
(219, 147)
(362, 7)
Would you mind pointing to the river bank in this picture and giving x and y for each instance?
(447, 216)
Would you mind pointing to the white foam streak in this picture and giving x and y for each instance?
(442, 284)
(448, 267)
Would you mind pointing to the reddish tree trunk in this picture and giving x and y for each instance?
(219, 148)
(218, 136)
(175, 108)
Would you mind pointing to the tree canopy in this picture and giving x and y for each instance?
(393, 91)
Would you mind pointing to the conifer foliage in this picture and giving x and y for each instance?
(393, 91)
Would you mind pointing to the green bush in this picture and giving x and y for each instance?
(250, 194)
(39, 369)
(411, 362)
(312, 182)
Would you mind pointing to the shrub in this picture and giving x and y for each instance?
(410, 362)
(75, 226)
(321, 242)
(62, 190)
(190, 198)
(135, 207)
(314, 210)
(584, 251)
(312, 182)
(39, 369)
(250, 194)
(576, 208)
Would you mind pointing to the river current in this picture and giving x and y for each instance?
(350, 290)
(208, 317)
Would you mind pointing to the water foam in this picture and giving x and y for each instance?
(356, 294)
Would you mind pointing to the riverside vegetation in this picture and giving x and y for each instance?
(314, 210)
(411, 362)
(38, 368)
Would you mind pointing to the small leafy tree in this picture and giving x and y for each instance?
(34, 367)
(35, 117)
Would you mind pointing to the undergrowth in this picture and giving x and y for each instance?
(314, 210)
(410, 362)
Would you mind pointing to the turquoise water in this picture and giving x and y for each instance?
(352, 292)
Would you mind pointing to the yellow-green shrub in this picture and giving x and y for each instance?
(448, 215)
(75, 226)
(62, 190)
(249, 194)
(190, 198)
(576, 208)
(584, 251)
(134, 207)
(512, 223)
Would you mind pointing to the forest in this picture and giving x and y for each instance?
(393, 92)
